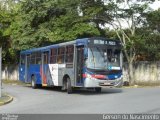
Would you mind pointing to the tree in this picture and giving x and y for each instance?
(150, 33)
(132, 14)
(118, 13)
(6, 17)
(35, 23)
(153, 20)
(42, 22)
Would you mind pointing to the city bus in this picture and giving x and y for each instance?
(89, 63)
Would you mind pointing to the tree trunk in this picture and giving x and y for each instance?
(130, 73)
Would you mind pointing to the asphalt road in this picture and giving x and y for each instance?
(52, 101)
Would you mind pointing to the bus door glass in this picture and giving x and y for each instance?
(27, 64)
(22, 68)
(79, 66)
(44, 67)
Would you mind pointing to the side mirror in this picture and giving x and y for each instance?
(85, 53)
(85, 58)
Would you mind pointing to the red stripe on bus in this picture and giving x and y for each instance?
(44, 79)
(95, 76)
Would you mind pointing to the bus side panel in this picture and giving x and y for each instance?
(35, 70)
(70, 72)
(38, 79)
(22, 73)
(58, 71)
(46, 73)
(56, 74)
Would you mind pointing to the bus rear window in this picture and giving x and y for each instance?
(53, 55)
(35, 58)
(61, 54)
(22, 59)
(69, 53)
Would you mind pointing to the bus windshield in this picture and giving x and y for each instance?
(103, 59)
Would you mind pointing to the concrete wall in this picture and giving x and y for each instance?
(145, 72)
(10, 72)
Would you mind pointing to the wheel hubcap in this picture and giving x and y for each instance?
(32, 83)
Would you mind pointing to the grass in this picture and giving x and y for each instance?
(13, 82)
(5, 98)
(150, 83)
(143, 84)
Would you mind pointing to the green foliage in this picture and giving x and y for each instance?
(35, 23)
(153, 20)
(152, 46)
(42, 22)
(150, 33)
(6, 18)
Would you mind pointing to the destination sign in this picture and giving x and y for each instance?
(104, 42)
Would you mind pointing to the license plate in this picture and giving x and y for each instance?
(106, 83)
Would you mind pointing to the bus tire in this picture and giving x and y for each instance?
(33, 82)
(69, 87)
(98, 89)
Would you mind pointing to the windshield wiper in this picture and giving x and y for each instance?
(100, 51)
(93, 57)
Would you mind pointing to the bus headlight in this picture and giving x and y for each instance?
(90, 77)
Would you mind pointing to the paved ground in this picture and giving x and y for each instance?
(5, 99)
(126, 100)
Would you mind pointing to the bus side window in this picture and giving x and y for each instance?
(33, 58)
(46, 58)
(53, 55)
(38, 58)
(61, 54)
(22, 60)
(69, 54)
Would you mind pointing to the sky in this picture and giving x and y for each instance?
(155, 5)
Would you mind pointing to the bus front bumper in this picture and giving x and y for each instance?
(93, 82)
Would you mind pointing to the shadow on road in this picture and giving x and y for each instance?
(104, 91)
(83, 91)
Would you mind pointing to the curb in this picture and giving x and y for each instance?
(140, 86)
(8, 101)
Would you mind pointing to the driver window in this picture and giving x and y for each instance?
(22, 60)
(109, 55)
(116, 55)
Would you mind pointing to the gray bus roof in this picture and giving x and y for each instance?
(51, 46)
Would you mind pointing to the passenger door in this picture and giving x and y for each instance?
(27, 64)
(79, 65)
(22, 68)
(44, 67)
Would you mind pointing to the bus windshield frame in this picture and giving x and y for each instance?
(103, 57)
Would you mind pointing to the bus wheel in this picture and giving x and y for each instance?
(33, 82)
(98, 89)
(69, 87)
